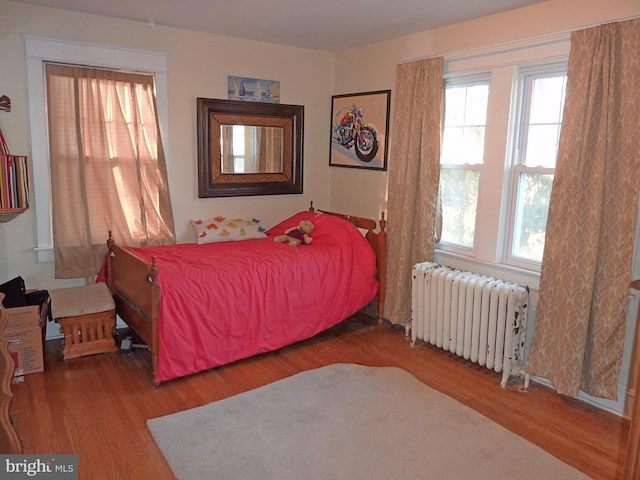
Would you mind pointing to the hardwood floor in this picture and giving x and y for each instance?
(97, 406)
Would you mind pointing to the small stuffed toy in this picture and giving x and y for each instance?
(295, 236)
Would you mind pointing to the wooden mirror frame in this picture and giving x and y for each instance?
(212, 113)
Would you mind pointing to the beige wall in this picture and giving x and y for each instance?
(198, 67)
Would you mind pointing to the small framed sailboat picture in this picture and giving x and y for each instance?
(254, 90)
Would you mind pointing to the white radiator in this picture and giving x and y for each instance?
(479, 318)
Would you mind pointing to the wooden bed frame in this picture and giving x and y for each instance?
(136, 290)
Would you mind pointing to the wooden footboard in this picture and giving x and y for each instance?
(136, 290)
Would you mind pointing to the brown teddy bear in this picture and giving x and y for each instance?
(295, 236)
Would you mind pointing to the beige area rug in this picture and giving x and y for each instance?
(347, 422)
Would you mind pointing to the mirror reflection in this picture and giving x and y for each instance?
(246, 149)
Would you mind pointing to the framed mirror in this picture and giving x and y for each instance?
(248, 148)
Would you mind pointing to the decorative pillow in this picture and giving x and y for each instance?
(222, 229)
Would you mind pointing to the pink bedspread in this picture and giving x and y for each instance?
(222, 302)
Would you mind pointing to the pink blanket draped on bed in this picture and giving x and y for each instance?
(222, 302)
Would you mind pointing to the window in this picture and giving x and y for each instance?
(238, 149)
(107, 165)
(461, 159)
(40, 50)
(246, 148)
(540, 105)
(500, 134)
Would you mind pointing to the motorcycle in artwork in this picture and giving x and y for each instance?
(359, 124)
(350, 131)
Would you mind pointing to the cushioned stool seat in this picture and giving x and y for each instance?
(87, 318)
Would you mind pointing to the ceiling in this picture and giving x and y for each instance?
(330, 25)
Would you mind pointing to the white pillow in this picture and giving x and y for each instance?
(222, 229)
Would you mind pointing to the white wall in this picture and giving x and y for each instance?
(373, 68)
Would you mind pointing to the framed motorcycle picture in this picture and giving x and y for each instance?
(359, 130)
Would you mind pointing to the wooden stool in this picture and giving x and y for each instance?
(87, 317)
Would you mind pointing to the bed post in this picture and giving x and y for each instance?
(109, 276)
(381, 261)
(155, 315)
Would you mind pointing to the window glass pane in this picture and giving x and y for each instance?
(541, 126)
(464, 126)
(547, 99)
(534, 192)
(459, 193)
(463, 145)
(476, 108)
(238, 148)
(238, 140)
(452, 141)
(542, 145)
(474, 144)
(455, 98)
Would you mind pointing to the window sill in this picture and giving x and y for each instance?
(505, 272)
(44, 254)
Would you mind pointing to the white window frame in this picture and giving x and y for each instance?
(457, 80)
(493, 205)
(40, 50)
(521, 109)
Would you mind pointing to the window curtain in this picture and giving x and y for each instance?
(227, 152)
(587, 263)
(413, 178)
(269, 151)
(108, 169)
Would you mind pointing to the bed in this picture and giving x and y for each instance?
(200, 306)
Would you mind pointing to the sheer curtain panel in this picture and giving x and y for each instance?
(108, 169)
